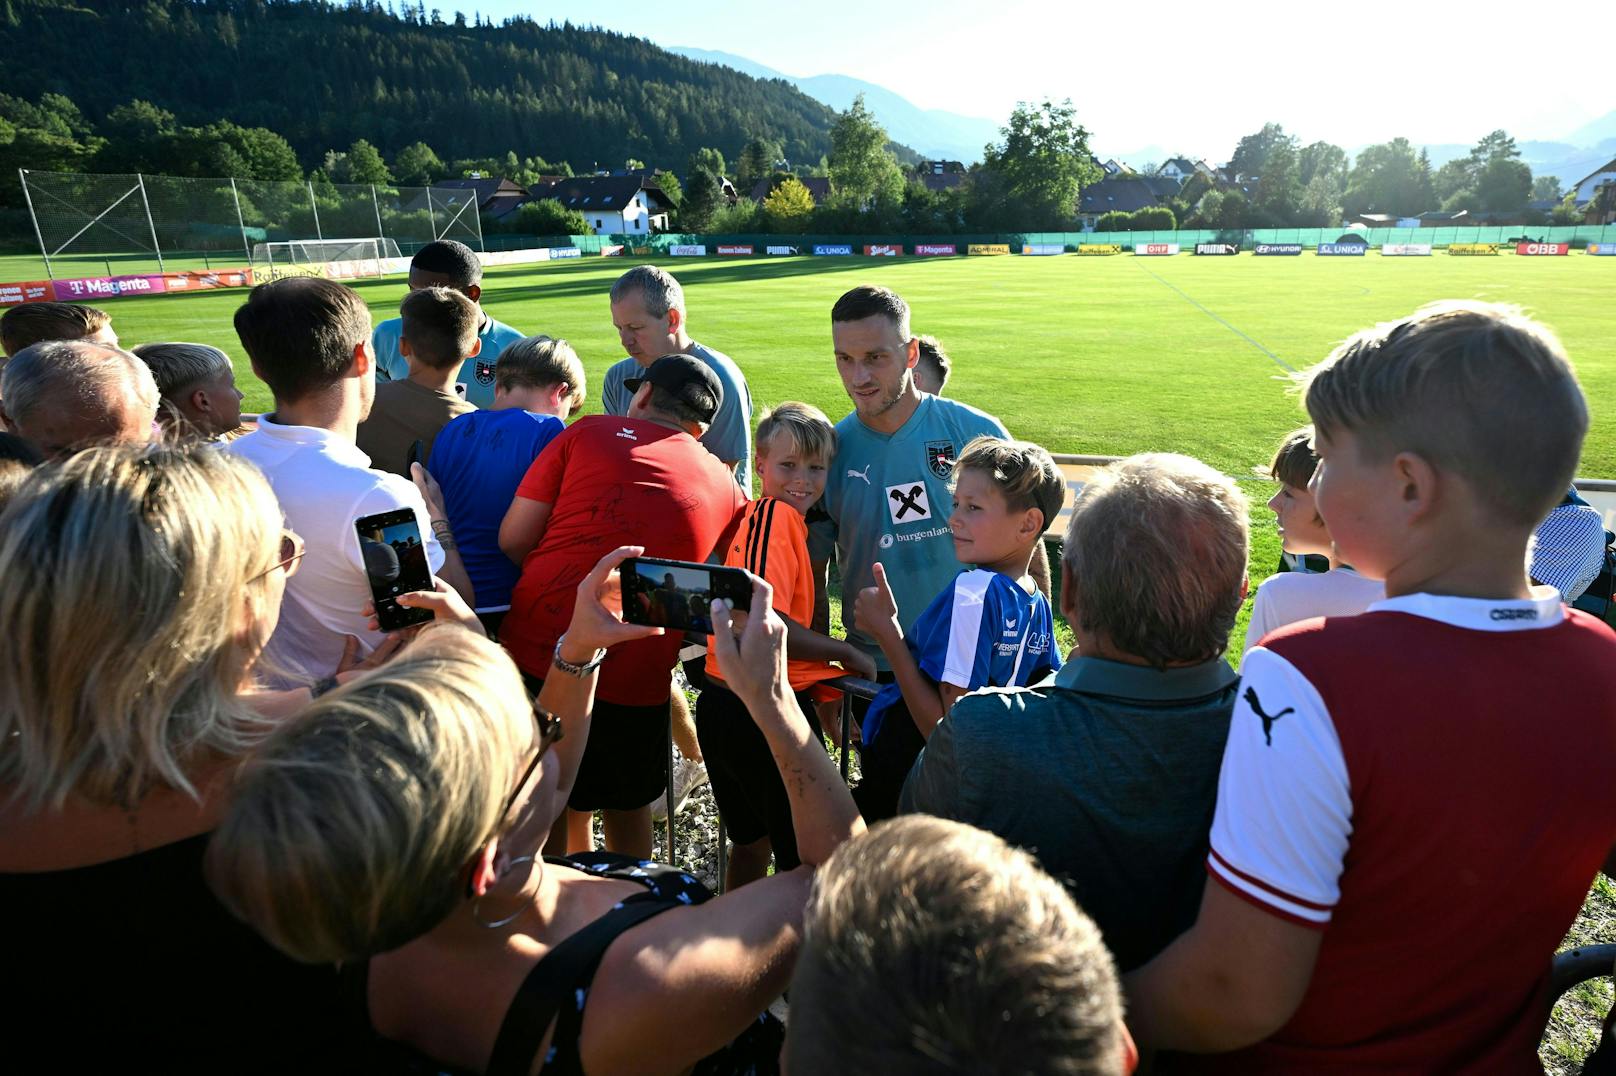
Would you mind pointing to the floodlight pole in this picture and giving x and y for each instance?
(140, 179)
(479, 215)
(240, 223)
(318, 234)
(22, 174)
(431, 215)
(377, 205)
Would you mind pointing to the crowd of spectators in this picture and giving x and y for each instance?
(244, 828)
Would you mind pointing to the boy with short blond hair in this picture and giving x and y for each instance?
(1452, 744)
(795, 444)
(990, 627)
(438, 333)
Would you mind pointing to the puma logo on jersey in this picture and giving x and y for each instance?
(628, 433)
(1267, 720)
(864, 474)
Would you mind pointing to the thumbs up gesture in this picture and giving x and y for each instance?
(875, 611)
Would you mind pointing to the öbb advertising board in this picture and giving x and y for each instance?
(1099, 250)
(1473, 249)
(688, 250)
(935, 250)
(882, 250)
(1042, 250)
(734, 248)
(1348, 250)
(1277, 248)
(1405, 250)
(1217, 248)
(833, 248)
(1155, 249)
(987, 248)
(1593, 248)
(1539, 249)
(781, 250)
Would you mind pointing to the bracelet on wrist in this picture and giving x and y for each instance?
(572, 669)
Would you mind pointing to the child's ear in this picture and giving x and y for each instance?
(1032, 523)
(1417, 484)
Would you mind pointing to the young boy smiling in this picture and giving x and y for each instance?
(991, 627)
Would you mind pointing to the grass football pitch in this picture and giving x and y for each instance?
(1106, 356)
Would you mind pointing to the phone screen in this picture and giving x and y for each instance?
(395, 563)
(678, 594)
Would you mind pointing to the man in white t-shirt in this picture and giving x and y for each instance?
(309, 341)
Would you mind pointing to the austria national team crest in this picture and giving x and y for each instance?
(485, 373)
(940, 457)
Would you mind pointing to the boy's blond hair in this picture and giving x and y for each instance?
(1024, 473)
(811, 433)
(1477, 389)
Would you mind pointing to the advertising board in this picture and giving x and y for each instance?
(641, 252)
(1593, 248)
(611, 250)
(1155, 249)
(1349, 250)
(1217, 248)
(26, 291)
(882, 250)
(565, 252)
(1099, 250)
(1539, 249)
(1473, 248)
(108, 287)
(735, 248)
(987, 248)
(1277, 248)
(688, 250)
(781, 250)
(207, 281)
(933, 250)
(1405, 250)
(1042, 250)
(833, 248)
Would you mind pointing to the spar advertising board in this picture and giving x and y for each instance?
(734, 248)
(833, 248)
(1155, 249)
(1473, 249)
(688, 250)
(1540, 249)
(1348, 250)
(1277, 248)
(1099, 250)
(1593, 248)
(1405, 250)
(987, 248)
(935, 250)
(883, 250)
(1042, 250)
(1217, 248)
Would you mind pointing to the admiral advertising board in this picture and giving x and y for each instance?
(1472, 248)
(1099, 250)
(565, 252)
(688, 250)
(734, 248)
(1538, 249)
(1217, 248)
(1155, 249)
(1349, 250)
(1405, 250)
(1042, 250)
(987, 248)
(1593, 248)
(1277, 248)
(833, 248)
(882, 250)
(936, 250)
(781, 250)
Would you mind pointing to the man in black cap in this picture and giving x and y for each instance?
(642, 479)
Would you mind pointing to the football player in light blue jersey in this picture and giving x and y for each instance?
(452, 265)
(887, 497)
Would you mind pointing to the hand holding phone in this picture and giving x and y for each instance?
(678, 594)
(395, 563)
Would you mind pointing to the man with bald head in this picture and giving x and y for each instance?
(65, 394)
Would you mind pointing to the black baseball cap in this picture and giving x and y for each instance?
(687, 378)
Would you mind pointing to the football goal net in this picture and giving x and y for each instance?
(324, 257)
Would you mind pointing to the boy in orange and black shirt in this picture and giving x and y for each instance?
(795, 444)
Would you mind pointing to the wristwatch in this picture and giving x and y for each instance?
(575, 670)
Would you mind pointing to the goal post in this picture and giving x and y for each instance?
(356, 257)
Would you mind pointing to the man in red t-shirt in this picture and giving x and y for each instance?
(643, 479)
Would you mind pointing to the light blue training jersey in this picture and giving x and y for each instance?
(887, 498)
(476, 380)
(730, 435)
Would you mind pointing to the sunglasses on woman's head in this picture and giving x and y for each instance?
(550, 731)
(292, 550)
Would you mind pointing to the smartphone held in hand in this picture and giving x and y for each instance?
(395, 563)
(678, 594)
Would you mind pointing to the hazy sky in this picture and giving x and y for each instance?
(1350, 74)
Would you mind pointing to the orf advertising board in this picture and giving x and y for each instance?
(734, 248)
(1405, 250)
(688, 250)
(1539, 249)
(27, 291)
(1347, 250)
(1472, 248)
(1099, 250)
(882, 250)
(833, 248)
(936, 250)
(780, 250)
(1217, 248)
(1155, 249)
(1277, 248)
(987, 248)
(1042, 250)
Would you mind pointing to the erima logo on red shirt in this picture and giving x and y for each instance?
(1513, 614)
(626, 432)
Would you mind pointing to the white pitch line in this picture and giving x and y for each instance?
(1248, 339)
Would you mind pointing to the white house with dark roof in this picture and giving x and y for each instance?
(616, 205)
(1589, 184)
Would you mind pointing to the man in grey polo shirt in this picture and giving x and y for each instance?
(1108, 771)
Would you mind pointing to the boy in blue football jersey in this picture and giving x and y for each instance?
(990, 627)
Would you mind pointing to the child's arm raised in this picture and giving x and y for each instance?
(805, 644)
(875, 613)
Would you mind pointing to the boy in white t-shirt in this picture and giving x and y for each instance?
(1291, 596)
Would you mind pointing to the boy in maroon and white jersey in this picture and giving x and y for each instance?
(1413, 801)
